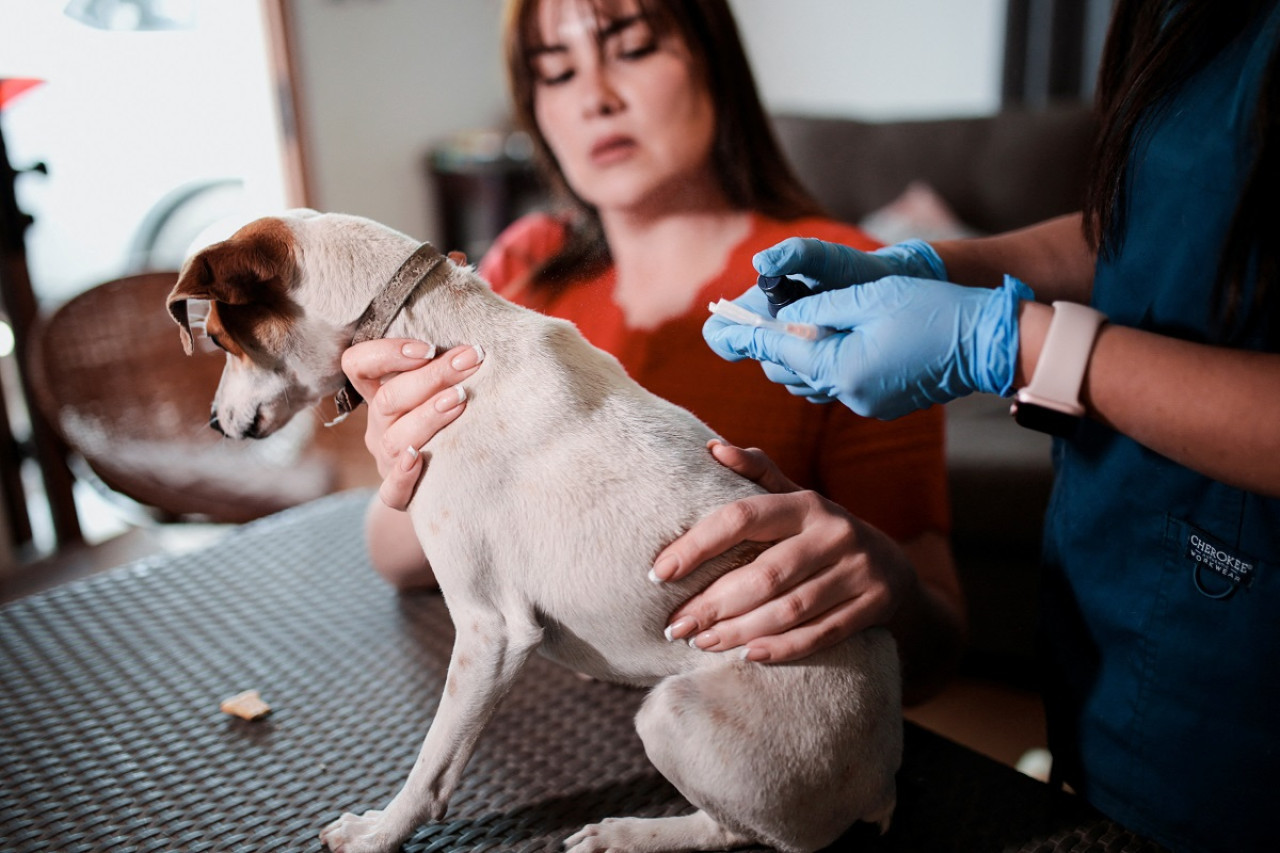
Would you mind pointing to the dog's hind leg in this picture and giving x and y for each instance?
(697, 831)
(789, 755)
(488, 654)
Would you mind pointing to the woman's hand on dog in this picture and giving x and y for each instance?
(413, 392)
(825, 576)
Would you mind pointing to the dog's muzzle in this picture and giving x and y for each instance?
(254, 430)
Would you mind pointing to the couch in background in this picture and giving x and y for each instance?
(995, 172)
(956, 177)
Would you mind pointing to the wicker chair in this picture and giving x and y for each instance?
(110, 376)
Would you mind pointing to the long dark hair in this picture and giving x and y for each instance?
(1153, 47)
(749, 163)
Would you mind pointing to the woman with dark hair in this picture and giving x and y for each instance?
(745, 161)
(1158, 366)
(645, 118)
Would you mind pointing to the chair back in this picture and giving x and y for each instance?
(111, 377)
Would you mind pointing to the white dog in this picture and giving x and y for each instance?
(541, 512)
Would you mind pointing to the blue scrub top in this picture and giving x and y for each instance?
(1161, 614)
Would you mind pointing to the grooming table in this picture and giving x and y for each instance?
(111, 738)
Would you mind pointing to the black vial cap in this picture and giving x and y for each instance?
(780, 291)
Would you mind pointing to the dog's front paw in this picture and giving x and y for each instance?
(592, 838)
(364, 833)
(697, 831)
(613, 834)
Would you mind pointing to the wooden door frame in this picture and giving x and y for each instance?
(278, 20)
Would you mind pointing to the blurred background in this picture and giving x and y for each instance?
(133, 129)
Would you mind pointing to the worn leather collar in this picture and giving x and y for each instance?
(424, 268)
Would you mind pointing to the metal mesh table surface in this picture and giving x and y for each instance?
(111, 738)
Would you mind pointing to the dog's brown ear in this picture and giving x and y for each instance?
(255, 265)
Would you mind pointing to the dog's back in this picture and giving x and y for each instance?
(571, 478)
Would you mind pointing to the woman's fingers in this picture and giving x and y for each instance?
(390, 437)
(818, 611)
(827, 576)
(399, 451)
(806, 544)
(412, 393)
(755, 519)
(406, 388)
(753, 464)
(761, 518)
(401, 480)
(839, 623)
(769, 577)
(369, 364)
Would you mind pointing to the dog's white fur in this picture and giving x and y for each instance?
(541, 511)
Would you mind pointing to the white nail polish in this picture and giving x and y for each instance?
(409, 458)
(479, 353)
(462, 394)
(653, 578)
(693, 644)
(666, 632)
(426, 355)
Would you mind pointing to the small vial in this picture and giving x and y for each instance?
(780, 291)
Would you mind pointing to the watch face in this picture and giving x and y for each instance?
(1044, 419)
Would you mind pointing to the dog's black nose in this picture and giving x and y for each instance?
(213, 422)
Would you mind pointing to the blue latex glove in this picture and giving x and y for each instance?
(900, 345)
(828, 266)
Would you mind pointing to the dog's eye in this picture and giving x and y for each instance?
(217, 342)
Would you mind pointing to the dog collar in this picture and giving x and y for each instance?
(425, 267)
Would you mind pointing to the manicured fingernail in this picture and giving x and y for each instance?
(756, 655)
(664, 569)
(409, 458)
(705, 640)
(417, 349)
(679, 629)
(468, 358)
(448, 402)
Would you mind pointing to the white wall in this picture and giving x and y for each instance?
(876, 59)
(383, 80)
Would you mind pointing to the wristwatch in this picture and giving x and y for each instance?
(1051, 402)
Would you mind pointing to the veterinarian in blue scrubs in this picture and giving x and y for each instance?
(1162, 555)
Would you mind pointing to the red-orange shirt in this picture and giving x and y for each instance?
(889, 473)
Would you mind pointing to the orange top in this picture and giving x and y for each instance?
(891, 474)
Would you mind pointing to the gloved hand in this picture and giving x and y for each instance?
(826, 266)
(900, 343)
(829, 266)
